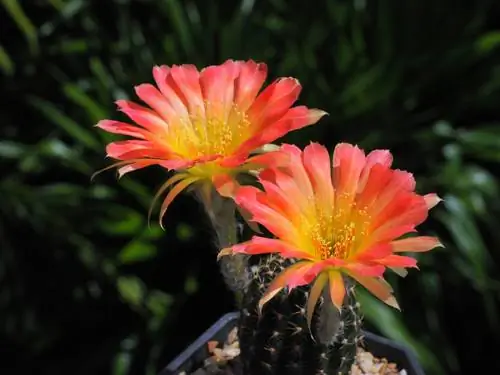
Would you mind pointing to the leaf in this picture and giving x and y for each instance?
(94, 110)
(159, 302)
(75, 130)
(11, 150)
(6, 63)
(488, 41)
(137, 251)
(13, 7)
(131, 289)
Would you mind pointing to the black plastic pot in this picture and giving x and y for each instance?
(197, 352)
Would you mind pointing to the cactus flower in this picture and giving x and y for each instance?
(206, 125)
(340, 218)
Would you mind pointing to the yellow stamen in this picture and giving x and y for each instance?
(209, 133)
(337, 234)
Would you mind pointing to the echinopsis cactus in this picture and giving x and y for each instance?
(340, 222)
(278, 340)
(335, 223)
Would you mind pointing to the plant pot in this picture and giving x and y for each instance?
(197, 352)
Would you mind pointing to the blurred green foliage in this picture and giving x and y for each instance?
(87, 287)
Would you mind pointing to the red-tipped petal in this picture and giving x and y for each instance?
(117, 149)
(297, 170)
(295, 118)
(373, 270)
(280, 282)
(378, 251)
(217, 85)
(263, 245)
(168, 88)
(143, 116)
(157, 101)
(431, 200)
(259, 205)
(318, 166)
(406, 208)
(173, 193)
(225, 185)
(314, 295)
(378, 287)
(249, 83)
(348, 162)
(172, 180)
(272, 159)
(279, 200)
(337, 289)
(272, 103)
(398, 261)
(117, 127)
(416, 244)
(187, 79)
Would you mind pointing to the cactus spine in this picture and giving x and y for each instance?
(279, 341)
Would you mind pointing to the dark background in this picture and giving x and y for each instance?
(87, 288)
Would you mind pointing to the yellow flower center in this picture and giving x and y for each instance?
(338, 233)
(217, 131)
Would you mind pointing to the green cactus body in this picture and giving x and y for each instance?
(222, 214)
(279, 342)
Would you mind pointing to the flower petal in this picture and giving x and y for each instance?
(172, 180)
(187, 79)
(249, 83)
(158, 102)
(337, 289)
(348, 162)
(118, 127)
(173, 193)
(272, 103)
(217, 85)
(405, 208)
(378, 287)
(378, 251)
(295, 118)
(225, 185)
(297, 170)
(167, 87)
(318, 167)
(416, 244)
(376, 158)
(263, 212)
(398, 261)
(143, 116)
(263, 245)
(280, 282)
(314, 295)
(431, 200)
(365, 270)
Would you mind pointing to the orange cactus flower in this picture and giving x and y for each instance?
(206, 124)
(340, 219)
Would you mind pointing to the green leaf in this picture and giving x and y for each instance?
(487, 42)
(11, 150)
(159, 302)
(13, 7)
(6, 63)
(94, 110)
(137, 251)
(131, 289)
(72, 128)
